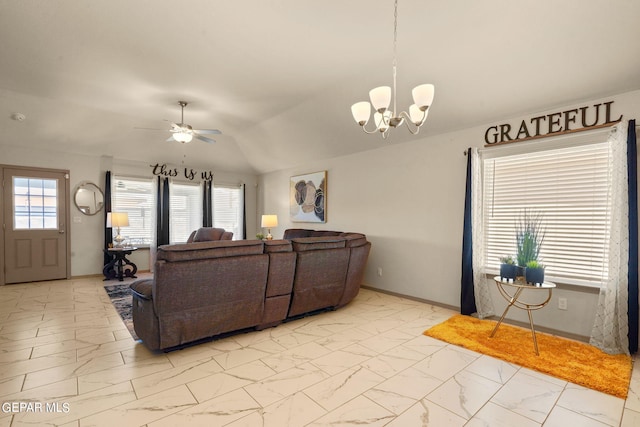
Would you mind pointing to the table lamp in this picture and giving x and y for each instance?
(269, 221)
(117, 219)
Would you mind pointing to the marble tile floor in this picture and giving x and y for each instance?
(66, 359)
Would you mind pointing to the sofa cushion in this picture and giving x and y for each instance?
(293, 233)
(314, 243)
(322, 233)
(214, 249)
(206, 234)
(272, 246)
(355, 239)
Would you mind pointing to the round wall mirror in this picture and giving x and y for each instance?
(88, 198)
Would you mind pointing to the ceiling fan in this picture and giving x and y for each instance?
(184, 133)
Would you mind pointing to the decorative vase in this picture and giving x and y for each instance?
(520, 271)
(534, 276)
(508, 271)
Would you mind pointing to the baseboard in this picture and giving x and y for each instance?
(91, 276)
(524, 325)
(412, 298)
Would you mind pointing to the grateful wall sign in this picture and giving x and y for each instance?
(188, 173)
(575, 120)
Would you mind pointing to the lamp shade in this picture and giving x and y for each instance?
(423, 95)
(361, 112)
(382, 120)
(269, 221)
(380, 98)
(417, 116)
(117, 219)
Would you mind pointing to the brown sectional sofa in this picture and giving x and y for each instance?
(204, 289)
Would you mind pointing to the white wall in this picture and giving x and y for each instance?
(409, 199)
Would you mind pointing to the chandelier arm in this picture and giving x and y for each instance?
(376, 130)
(407, 120)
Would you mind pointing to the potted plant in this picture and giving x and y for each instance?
(529, 237)
(534, 273)
(260, 236)
(507, 268)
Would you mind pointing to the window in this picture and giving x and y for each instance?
(136, 197)
(185, 211)
(228, 209)
(35, 203)
(569, 187)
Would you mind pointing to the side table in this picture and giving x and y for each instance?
(514, 300)
(119, 266)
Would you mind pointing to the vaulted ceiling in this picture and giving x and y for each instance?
(278, 77)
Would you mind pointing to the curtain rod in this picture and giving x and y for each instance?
(556, 136)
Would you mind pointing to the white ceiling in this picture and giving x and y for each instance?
(278, 77)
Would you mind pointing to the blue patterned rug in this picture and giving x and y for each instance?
(121, 299)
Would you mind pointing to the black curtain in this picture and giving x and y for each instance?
(244, 213)
(162, 213)
(108, 235)
(207, 205)
(467, 295)
(632, 171)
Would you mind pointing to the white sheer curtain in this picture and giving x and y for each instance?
(610, 329)
(484, 303)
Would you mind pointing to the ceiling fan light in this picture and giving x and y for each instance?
(423, 95)
(183, 137)
(380, 98)
(361, 112)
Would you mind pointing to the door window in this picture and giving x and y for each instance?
(35, 203)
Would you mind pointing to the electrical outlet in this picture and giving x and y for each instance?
(562, 303)
(379, 271)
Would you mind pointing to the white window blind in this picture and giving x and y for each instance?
(135, 196)
(569, 186)
(228, 209)
(185, 211)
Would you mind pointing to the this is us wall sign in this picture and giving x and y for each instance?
(568, 121)
(190, 174)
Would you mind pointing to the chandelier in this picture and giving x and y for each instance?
(384, 118)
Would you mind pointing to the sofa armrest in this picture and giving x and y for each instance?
(143, 289)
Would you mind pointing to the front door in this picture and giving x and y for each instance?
(35, 225)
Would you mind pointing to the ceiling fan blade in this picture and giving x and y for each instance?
(171, 139)
(175, 127)
(163, 130)
(207, 131)
(205, 139)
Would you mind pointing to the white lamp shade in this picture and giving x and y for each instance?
(423, 95)
(380, 98)
(183, 136)
(382, 120)
(361, 112)
(417, 116)
(117, 219)
(269, 221)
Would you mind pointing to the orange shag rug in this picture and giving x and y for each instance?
(569, 360)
